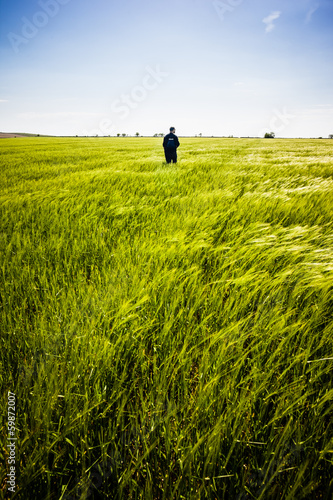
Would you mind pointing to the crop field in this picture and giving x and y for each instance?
(166, 330)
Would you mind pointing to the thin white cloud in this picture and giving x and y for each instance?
(66, 114)
(3, 100)
(269, 20)
(311, 12)
(318, 111)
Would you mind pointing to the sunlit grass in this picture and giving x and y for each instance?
(167, 330)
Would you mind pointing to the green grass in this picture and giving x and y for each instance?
(167, 329)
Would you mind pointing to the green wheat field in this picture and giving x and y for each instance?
(167, 329)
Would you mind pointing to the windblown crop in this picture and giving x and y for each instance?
(167, 330)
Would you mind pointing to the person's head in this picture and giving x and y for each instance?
(172, 130)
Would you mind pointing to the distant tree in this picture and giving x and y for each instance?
(330, 136)
(137, 134)
(155, 135)
(200, 135)
(118, 135)
(124, 135)
(269, 135)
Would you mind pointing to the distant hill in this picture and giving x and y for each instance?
(9, 135)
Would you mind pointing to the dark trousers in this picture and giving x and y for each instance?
(170, 154)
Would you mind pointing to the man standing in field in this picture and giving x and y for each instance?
(170, 144)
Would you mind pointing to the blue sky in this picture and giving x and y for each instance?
(228, 67)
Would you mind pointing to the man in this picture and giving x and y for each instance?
(170, 144)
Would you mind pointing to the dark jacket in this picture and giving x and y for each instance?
(171, 138)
